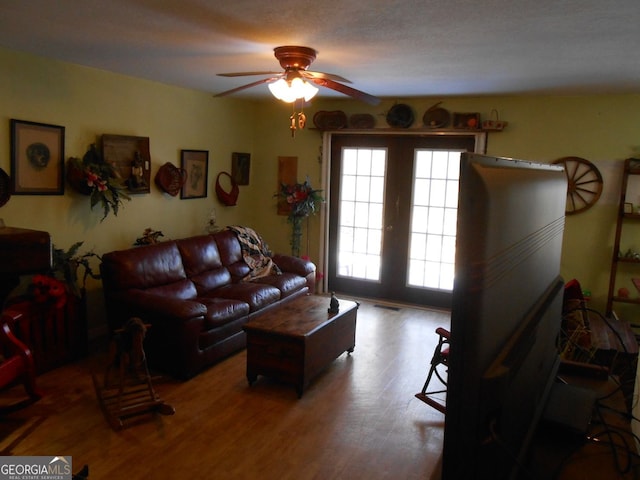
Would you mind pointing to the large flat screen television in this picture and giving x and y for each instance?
(506, 313)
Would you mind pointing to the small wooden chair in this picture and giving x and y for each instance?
(439, 366)
(16, 365)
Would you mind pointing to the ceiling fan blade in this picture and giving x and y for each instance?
(352, 92)
(331, 76)
(246, 74)
(253, 84)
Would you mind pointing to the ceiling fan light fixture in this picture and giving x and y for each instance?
(291, 91)
(295, 61)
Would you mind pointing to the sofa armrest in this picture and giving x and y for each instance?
(176, 324)
(299, 266)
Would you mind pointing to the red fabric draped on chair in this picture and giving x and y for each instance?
(16, 362)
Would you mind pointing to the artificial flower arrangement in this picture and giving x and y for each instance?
(99, 179)
(302, 200)
(45, 289)
(63, 279)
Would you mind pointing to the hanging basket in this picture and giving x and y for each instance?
(77, 178)
(494, 124)
(170, 178)
(229, 198)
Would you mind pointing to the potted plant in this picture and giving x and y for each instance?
(53, 311)
(63, 279)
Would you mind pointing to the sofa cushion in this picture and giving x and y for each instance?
(199, 254)
(184, 290)
(287, 283)
(143, 267)
(231, 254)
(256, 295)
(221, 311)
(228, 246)
(207, 281)
(202, 263)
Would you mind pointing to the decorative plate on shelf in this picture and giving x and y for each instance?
(5, 187)
(334, 120)
(362, 120)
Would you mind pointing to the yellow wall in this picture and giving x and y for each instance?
(600, 128)
(90, 102)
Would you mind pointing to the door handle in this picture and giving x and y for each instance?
(389, 228)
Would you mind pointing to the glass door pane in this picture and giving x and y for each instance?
(434, 208)
(361, 212)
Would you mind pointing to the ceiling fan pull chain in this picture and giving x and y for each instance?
(302, 118)
(298, 120)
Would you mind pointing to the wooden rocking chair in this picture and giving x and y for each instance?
(439, 365)
(126, 390)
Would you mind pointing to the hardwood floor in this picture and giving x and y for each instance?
(358, 419)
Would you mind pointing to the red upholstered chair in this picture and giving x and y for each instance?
(439, 365)
(16, 363)
(22, 251)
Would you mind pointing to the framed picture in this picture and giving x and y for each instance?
(628, 207)
(240, 167)
(196, 164)
(37, 158)
(132, 160)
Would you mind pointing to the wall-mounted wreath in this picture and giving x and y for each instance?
(96, 178)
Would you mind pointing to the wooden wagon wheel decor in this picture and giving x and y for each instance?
(584, 183)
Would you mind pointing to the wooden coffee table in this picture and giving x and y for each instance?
(295, 342)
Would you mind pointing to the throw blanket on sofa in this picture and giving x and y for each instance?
(255, 252)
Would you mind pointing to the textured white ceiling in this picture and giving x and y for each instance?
(389, 48)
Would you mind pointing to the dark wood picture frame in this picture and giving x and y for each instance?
(241, 167)
(131, 158)
(196, 164)
(37, 158)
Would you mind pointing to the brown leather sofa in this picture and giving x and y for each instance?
(192, 294)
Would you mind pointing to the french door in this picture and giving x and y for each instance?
(393, 211)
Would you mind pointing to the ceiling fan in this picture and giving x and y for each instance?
(295, 61)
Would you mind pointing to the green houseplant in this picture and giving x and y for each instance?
(55, 306)
(64, 277)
